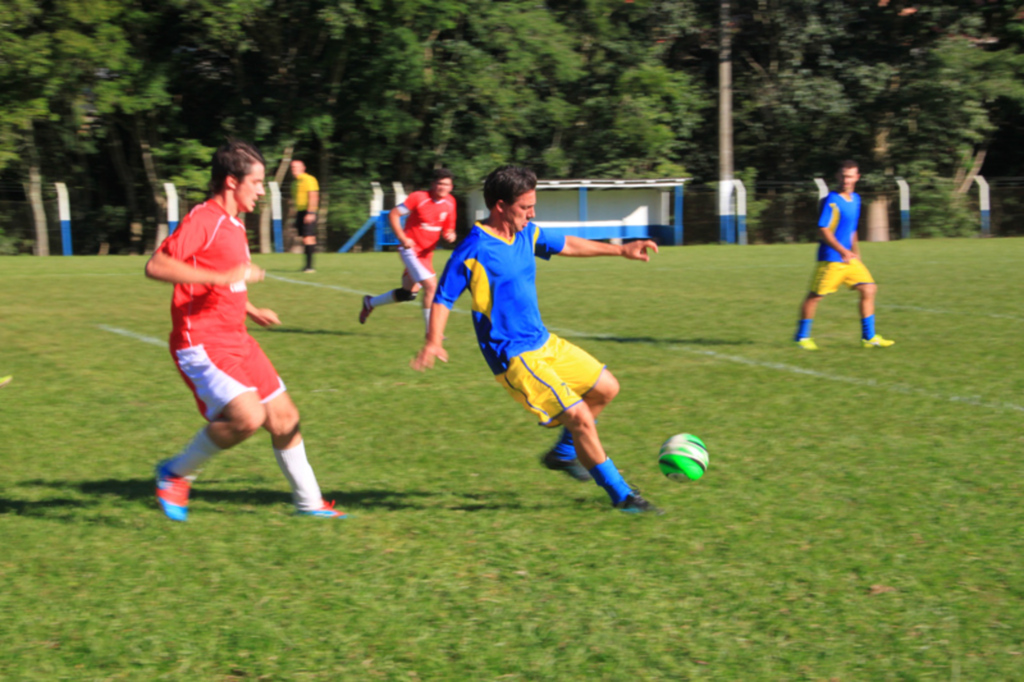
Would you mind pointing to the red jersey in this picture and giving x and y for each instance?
(211, 239)
(427, 219)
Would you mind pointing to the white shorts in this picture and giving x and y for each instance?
(216, 381)
(415, 266)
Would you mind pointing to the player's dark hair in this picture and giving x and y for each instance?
(235, 158)
(442, 174)
(507, 184)
(849, 163)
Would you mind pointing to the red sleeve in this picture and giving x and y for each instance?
(413, 201)
(189, 239)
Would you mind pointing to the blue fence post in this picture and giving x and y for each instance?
(983, 200)
(741, 211)
(583, 205)
(172, 207)
(64, 212)
(275, 216)
(725, 214)
(677, 219)
(904, 208)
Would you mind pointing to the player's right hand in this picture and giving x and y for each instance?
(245, 272)
(425, 359)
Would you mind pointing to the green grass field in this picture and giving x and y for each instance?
(862, 517)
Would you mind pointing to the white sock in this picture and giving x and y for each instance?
(426, 318)
(188, 461)
(383, 299)
(296, 468)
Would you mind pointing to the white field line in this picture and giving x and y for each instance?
(319, 285)
(976, 401)
(937, 311)
(133, 335)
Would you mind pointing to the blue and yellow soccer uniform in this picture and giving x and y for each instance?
(840, 217)
(544, 373)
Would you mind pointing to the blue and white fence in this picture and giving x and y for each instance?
(64, 213)
(904, 208)
(276, 216)
(984, 205)
(172, 207)
(732, 212)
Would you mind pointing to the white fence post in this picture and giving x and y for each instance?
(64, 212)
(983, 200)
(275, 216)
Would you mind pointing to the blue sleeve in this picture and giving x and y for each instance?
(455, 278)
(827, 210)
(547, 244)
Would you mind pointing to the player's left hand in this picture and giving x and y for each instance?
(264, 317)
(448, 236)
(309, 218)
(638, 250)
(424, 360)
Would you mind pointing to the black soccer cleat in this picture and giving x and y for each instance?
(572, 467)
(634, 504)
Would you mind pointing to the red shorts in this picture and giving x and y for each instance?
(217, 374)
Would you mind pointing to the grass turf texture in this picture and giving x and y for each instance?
(861, 518)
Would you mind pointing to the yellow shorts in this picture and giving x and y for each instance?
(551, 379)
(830, 276)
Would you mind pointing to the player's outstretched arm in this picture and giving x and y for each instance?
(579, 247)
(432, 347)
(167, 269)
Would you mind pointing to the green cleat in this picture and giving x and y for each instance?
(807, 343)
(876, 341)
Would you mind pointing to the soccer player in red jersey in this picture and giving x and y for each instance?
(431, 216)
(236, 387)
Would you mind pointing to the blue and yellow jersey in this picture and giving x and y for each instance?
(840, 216)
(502, 279)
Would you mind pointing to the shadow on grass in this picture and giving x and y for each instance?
(294, 330)
(135, 490)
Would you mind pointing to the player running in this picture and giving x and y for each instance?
(839, 262)
(431, 215)
(550, 377)
(236, 387)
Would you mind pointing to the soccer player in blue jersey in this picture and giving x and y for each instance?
(839, 262)
(550, 377)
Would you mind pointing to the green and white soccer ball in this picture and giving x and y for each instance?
(683, 457)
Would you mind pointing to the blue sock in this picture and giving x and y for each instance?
(867, 327)
(803, 329)
(608, 477)
(565, 447)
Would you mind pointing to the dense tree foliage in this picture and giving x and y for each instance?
(116, 97)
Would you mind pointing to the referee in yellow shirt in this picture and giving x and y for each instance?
(306, 202)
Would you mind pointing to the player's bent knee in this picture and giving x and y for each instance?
(608, 385)
(247, 423)
(577, 418)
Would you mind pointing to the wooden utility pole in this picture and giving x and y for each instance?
(725, 162)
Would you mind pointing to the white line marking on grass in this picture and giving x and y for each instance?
(133, 335)
(976, 401)
(937, 311)
(318, 284)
